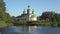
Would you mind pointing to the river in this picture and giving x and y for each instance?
(30, 30)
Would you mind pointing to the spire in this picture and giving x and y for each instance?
(28, 6)
(24, 12)
(28, 10)
(33, 11)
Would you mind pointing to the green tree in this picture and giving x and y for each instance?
(4, 16)
(49, 15)
(2, 10)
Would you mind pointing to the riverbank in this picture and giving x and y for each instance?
(37, 23)
(4, 24)
(28, 23)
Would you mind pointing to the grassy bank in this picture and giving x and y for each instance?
(4, 24)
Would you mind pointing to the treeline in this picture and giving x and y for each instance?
(51, 16)
(5, 18)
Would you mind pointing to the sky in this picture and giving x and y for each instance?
(16, 7)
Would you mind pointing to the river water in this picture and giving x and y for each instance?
(31, 30)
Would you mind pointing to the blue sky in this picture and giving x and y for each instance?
(16, 7)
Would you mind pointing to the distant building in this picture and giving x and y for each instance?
(27, 15)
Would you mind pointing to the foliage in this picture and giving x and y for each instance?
(52, 16)
(9, 24)
(2, 10)
(20, 22)
(4, 16)
(2, 24)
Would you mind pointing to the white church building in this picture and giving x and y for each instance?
(27, 15)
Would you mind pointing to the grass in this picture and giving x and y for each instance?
(2, 24)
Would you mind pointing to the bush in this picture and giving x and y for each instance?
(2, 24)
(9, 24)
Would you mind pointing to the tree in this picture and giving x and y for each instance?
(52, 16)
(48, 15)
(2, 10)
(4, 16)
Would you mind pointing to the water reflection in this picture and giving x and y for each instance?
(31, 30)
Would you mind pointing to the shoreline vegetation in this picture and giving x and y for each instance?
(36, 23)
(48, 18)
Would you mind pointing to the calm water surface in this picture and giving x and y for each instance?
(31, 30)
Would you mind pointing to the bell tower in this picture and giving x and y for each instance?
(24, 12)
(33, 11)
(28, 10)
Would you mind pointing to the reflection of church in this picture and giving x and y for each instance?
(30, 16)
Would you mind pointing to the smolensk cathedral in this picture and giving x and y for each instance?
(27, 15)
